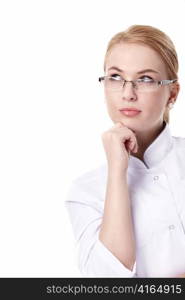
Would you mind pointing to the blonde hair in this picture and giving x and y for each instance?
(155, 39)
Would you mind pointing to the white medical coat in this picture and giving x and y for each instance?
(157, 195)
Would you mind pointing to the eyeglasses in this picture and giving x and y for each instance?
(141, 84)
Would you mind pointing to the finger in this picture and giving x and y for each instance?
(131, 144)
(118, 124)
(136, 147)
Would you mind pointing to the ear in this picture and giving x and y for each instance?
(174, 91)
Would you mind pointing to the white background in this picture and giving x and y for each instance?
(52, 114)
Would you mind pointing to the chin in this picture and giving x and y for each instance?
(132, 124)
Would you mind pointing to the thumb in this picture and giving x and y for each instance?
(119, 124)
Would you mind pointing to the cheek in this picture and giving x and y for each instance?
(111, 99)
(154, 101)
(109, 96)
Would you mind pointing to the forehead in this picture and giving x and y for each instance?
(134, 57)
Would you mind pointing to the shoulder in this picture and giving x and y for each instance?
(89, 186)
(179, 151)
(179, 142)
(91, 176)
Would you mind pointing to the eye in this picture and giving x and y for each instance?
(116, 76)
(146, 78)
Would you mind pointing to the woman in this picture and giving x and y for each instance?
(128, 216)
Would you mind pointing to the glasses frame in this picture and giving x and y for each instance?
(134, 82)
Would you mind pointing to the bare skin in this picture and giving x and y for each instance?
(117, 228)
(142, 146)
(181, 276)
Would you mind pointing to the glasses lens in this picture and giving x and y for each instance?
(113, 83)
(147, 86)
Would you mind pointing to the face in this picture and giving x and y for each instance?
(131, 59)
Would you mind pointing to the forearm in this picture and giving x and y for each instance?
(181, 275)
(117, 229)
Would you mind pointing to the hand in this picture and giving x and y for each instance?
(118, 142)
(181, 276)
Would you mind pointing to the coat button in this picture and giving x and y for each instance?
(156, 177)
(171, 227)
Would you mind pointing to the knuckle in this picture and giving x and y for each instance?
(103, 135)
(106, 134)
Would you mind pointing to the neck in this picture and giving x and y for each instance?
(145, 138)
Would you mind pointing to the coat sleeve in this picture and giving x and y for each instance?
(85, 212)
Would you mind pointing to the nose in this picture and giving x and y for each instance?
(128, 92)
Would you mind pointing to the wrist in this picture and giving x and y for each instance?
(116, 173)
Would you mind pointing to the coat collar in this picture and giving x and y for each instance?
(156, 151)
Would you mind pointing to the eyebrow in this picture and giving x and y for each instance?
(139, 72)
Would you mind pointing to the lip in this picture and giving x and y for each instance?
(130, 112)
(130, 109)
